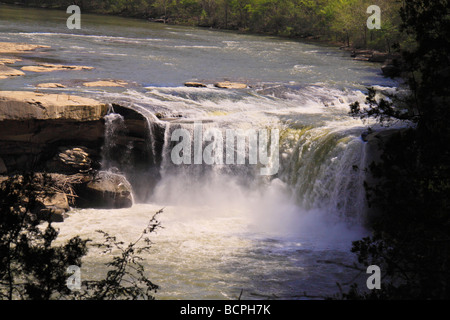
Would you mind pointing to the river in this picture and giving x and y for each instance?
(226, 229)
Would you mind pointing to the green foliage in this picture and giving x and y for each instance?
(32, 267)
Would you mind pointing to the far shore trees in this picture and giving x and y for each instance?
(342, 21)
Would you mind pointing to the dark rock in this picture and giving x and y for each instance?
(54, 207)
(379, 56)
(390, 70)
(107, 190)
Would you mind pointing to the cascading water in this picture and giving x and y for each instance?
(114, 126)
(321, 164)
(325, 168)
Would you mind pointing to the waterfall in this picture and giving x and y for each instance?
(165, 154)
(321, 155)
(325, 169)
(322, 169)
(152, 124)
(114, 126)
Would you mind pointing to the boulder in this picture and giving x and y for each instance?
(230, 85)
(50, 203)
(390, 70)
(107, 190)
(195, 84)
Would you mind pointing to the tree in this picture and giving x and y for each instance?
(410, 233)
(33, 268)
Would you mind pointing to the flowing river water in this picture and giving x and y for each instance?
(225, 228)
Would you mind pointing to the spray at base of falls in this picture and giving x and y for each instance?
(226, 227)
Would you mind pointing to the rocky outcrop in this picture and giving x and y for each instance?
(21, 105)
(50, 85)
(391, 61)
(48, 67)
(64, 136)
(195, 84)
(371, 55)
(105, 83)
(9, 72)
(12, 47)
(230, 85)
(9, 60)
(34, 125)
